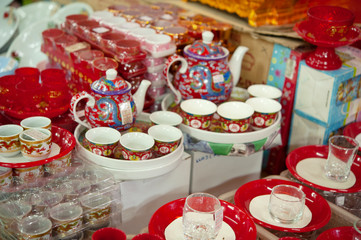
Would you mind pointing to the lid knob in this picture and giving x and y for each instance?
(207, 37)
(111, 74)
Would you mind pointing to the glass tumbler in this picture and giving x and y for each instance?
(202, 216)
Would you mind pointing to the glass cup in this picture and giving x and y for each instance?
(286, 204)
(342, 152)
(202, 216)
(357, 230)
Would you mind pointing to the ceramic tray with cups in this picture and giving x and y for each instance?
(26, 161)
(253, 198)
(241, 225)
(298, 163)
(264, 136)
(128, 169)
(72, 206)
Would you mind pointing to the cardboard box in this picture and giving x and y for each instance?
(328, 96)
(216, 174)
(307, 131)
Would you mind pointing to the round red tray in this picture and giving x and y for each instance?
(242, 225)
(320, 151)
(321, 212)
(60, 136)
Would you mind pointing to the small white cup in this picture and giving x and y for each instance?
(136, 146)
(9, 140)
(166, 118)
(36, 122)
(263, 90)
(198, 113)
(166, 138)
(102, 140)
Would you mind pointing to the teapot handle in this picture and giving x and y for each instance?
(74, 102)
(184, 65)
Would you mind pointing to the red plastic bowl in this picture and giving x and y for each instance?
(240, 222)
(60, 136)
(109, 233)
(320, 151)
(321, 212)
(336, 233)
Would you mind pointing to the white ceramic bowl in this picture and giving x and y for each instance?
(34, 12)
(27, 45)
(264, 105)
(197, 106)
(166, 118)
(235, 110)
(165, 133)
(136, 141)
(9, 22)
(263, 90)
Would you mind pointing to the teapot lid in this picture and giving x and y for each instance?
(205, 48)
(111, 84)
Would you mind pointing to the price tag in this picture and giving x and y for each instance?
(35, 135)
(126, 113)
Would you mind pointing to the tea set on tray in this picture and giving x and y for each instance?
(204, 79)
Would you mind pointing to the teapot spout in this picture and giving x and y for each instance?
(236, 62)
(139, 95)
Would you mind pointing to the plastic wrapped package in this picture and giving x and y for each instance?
(66, 206)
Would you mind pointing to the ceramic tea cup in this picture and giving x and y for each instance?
(96, 207)
(66, 218)
(9, 140)
(165, 118)
(235, 116)
(166, 138)
(36, 122)
(136, 146)
(6, 177)
(198, 113)
(263, 90)
(59, 165)
(265, 111)
(29, 175)
(102, 140)
(35, 143)
(13, 210)
(35, 227)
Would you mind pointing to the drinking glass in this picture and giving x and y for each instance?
(202, 216)
(357, 230)
(286, 203)
(342, 152)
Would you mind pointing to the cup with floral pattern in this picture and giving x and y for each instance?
(35, 143)
(166, 138)
(66, 218)
(13, 210)
(198, 113)
(102, 140)
(6, 177)
(235, 116)
(97, 207)
(35, 227)
(136, 146)
(36, 122)
(29, 174)
(265, 112)
(9, 140)
(59, 165)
